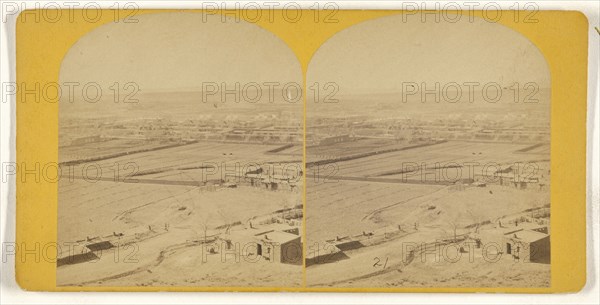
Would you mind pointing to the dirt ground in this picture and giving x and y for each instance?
(425, 214)
(170, 259)
(159, 225)
(387, 265)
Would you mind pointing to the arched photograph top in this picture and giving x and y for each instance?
(184, 154)
(430, 148)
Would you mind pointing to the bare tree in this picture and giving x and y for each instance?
(454, 226)
(476, 219)
(204, 226)
(226, 219)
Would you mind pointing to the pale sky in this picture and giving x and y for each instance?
(175, 51)
(378, 55)
(170, 51)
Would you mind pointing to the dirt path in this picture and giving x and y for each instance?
(164, 254)
(402, 202)
(129, 211)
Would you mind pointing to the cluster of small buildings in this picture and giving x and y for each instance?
(528, 244)
(531, 180)
(415, 129)
(272, 182)
(279, 128)
(279, 243)
(273, 178)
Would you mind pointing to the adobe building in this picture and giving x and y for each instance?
(81, 253)
(280, 246)
(528, 245)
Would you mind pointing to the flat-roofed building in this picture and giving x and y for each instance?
(528, 245)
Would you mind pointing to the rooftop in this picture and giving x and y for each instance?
(528, 236)
(278, 237)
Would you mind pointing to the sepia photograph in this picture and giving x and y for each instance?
(426, 148)
(300, 152)
(182, 161)
(428, 156)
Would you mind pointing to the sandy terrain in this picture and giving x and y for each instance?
(172, 259)
(386, 217)
(387, 265)
(445, 154)
(158, 224)
(345, 207)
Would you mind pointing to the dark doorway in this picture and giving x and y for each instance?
(258, 249)
(508, 248)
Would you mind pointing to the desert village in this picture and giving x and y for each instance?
(414, 178)
(167, 183)
(365, 192)
(223, 191)
(165, 206)
(401, 198)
